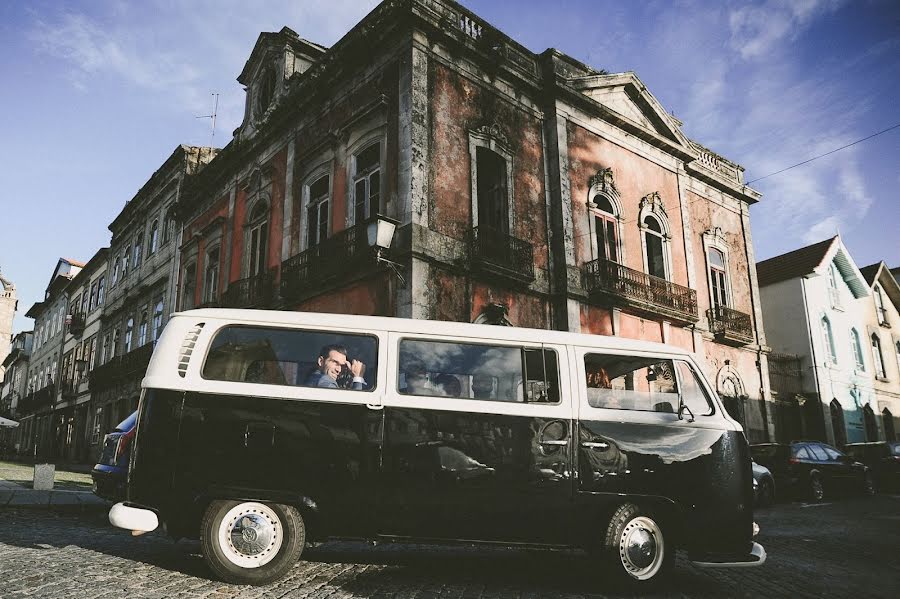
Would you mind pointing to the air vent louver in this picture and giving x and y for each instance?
(187, 348)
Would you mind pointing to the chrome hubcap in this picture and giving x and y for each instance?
(250, 535)
(641, 548)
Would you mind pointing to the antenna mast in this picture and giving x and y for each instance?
(212, 116)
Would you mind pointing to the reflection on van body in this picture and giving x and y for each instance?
(450, 433)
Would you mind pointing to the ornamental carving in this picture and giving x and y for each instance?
(604, 183)
(655, 204)
(492, 131)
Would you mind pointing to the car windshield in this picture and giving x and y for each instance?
(127, 424)
(763, 452)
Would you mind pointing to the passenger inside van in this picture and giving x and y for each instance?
(333, 365)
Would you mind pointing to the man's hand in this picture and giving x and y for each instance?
(357, 368)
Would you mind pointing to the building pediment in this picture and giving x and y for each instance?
(626, 95)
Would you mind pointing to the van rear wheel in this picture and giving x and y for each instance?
(635, 547)
(249, 542)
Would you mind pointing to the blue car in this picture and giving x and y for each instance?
(111, 472)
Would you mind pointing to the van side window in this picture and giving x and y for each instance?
(692, 392)
(291, 357)
(474, 371)
(631, 383)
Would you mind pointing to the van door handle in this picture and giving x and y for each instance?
(559, 443)
(595, 445)
(373, 406)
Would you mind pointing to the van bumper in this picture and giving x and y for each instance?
(133, 518)
(756, 557)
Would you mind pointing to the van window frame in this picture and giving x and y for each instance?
(376, 389)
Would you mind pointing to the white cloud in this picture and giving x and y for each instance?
(755, 30)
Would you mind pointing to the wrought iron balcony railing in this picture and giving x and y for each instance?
(130, 365)
(639, 291)
(730, 325)
(339, 255)
(500, 254)
(35, 402)
(76, 325)
(251, 292)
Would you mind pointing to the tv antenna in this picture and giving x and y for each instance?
(212, 116)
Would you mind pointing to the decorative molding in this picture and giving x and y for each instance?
(655, 203)
(605, 184)
(492, 131)
(715, 238)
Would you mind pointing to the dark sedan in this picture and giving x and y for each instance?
(882, 458)
(812, 469)
(111, 472)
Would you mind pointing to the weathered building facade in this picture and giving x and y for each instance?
(527, 188)
(8, 304)
(14, 388)
(37, 433)
(73, 418)
(139, 290)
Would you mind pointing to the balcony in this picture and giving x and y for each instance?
(730, 326)
(69, 389)
(609, 282)
(76, 325)
(338, 256)
(498, 254)
(131, 365)
(253, 292)
(37, 401)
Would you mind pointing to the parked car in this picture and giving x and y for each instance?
(111, 471)
(882, 458)
(763, 486)
(812, 470)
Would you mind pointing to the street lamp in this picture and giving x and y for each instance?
(380, 234)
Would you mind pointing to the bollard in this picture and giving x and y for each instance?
(43, 477)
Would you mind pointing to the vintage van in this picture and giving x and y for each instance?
(260, 431)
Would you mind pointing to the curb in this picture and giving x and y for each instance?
(56, 501)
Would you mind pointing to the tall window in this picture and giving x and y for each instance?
(167, 224)
(856, 346)
(84, 302)
(606, 229)
(138, 253)
(188, 286)
(834, 291)
(125, 263)
(317, 212)
(880, 311)
(104, 350)
(211, 276)
(92, 303)
(718, 281)
(115, 272)
(157, 319)
(493, 204)
(101, 289)
(142, 330)
(116, 337)
(367, 183)
(153, 239)
(877, 356)
(257, 237)
(129, 332)
(829, 339)
(653, 239)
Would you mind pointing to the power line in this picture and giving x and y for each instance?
(823, 155)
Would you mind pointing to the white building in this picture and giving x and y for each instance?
(814, 309)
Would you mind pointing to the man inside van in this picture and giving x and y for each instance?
(332, 361)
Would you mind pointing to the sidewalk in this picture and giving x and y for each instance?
(71, 489)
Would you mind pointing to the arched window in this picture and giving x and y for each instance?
(877, 356)
(265, 91)
(157, 319)
(138, 253)
(257, 238)
(834, 290)
(837, 423)
(606, 228)
(188, 285)
(871, 425)
(318, 209)
(887, 418)
(211, 276)
(115, 272)
(366, 183)
(880, 311)
(142, 329)
(718, 278)
(856, 348)
(828, 338)
(129, 332)
(493, 208)
(153, 240)
(654, 242)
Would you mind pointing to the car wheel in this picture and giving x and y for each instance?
(249, 542)
(766, 493)
(636, 549)
(816, 490)
(868, 484)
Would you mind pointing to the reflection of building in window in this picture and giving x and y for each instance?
(367, 183)
(641, 383)
(317, 212)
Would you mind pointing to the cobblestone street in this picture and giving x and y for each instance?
(842, 549)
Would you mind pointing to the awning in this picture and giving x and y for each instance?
(7, 423)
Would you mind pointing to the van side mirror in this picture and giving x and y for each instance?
(682, 408)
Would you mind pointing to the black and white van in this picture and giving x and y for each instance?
(260, 431)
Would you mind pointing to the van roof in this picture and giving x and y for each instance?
(421, 326)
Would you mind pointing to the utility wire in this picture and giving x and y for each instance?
(823, 155)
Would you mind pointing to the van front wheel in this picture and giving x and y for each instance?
(635, 546)
(249, 542)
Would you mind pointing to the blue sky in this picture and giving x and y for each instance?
(98, 94)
